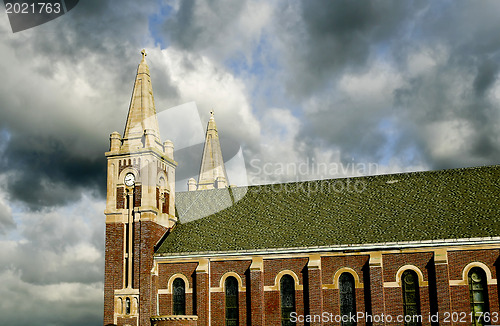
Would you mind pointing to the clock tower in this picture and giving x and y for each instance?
(139, 207)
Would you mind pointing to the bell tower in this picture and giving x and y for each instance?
(139, 207)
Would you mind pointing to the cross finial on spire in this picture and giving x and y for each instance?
(144, 54)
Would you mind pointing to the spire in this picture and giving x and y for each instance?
(212, 171)
(142, 129)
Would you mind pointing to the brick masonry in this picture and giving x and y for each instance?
(377, 290)
(113, 277)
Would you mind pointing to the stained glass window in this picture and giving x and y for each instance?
(287, 286)
(478, 295)
(347, 298)
(179, 296)
(231, 301)
(411, 299)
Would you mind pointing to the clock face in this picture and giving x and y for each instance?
(129, 179)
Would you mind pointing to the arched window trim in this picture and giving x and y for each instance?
(164, 176)
(465, 273)
(420, 275)
(340, 271)
(484, 267)
(170, 283)
(119, 305)
(222, 287)
(277, 280)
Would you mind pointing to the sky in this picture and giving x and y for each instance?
(354, 87)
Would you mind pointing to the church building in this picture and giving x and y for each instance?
(419, 248)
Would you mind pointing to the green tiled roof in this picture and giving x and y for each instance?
(419, 206)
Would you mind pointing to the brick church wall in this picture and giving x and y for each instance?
(272, 298)
(394, 295)
(457, 261)
(165, 272)
(378, 290)
(217, 270)
(149, 234)
(113, 272)
(331, 297)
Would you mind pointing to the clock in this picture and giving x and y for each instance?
(129, 179)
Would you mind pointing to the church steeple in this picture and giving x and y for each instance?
(212, 170)
(140, 207)
(141, 129)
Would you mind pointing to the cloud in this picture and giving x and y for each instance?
(221, 30)
(329, 39)
(45, 171)
(357, 65)
(6, 220)
(55, 304)
(349, 119)
(454, 102)
(53, 266)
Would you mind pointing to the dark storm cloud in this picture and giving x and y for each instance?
(333, 37)
(44, 171)
(198, 23)
(487, 73)
(450, 98)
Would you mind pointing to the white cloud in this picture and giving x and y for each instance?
(54, 265)
(449, 138)
(425, 60)
(24, 303)
(6, 220)
(372, 90)
(211, 87)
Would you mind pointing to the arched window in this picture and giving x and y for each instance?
(232, 312)
(287, 286)
(179, 296)
(127, 306)
(347, 298)
(478, 291)
(411, 299)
